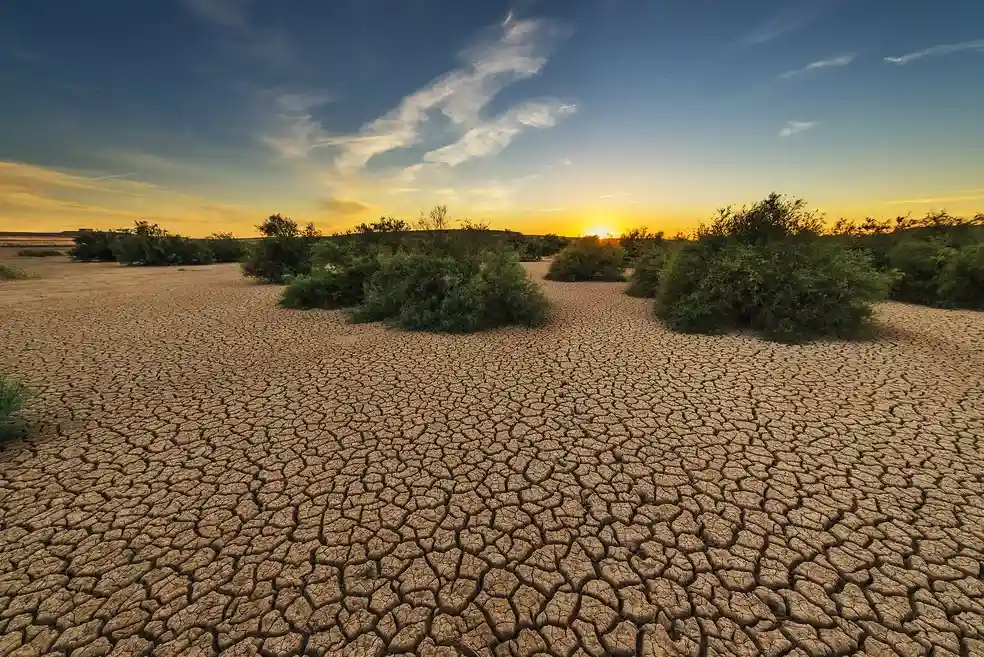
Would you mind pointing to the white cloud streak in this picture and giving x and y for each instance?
(842, 60)
(518, 51)
(491, 137)
(935, 51)
(795, 127)
(795, 15)
(937, 199)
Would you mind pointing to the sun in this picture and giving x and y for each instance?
(601, 231)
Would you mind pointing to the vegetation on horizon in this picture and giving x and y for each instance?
(148, 244)
(39, 253)
(588, 259)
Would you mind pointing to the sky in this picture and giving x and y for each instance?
(564, 116)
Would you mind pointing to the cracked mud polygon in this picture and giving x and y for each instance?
(207, 473)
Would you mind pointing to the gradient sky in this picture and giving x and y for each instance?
(549, 115)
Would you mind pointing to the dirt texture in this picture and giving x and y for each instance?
(211, 474)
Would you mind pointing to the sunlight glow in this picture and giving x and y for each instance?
(599, 231)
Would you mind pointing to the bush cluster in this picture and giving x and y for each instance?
(638, 242)
(934, 273)
(13, 396)
(9, 273)
(647, 270)
(96, 245)
(763, 268)
(788, 291)
(150, 245)
(284, 252)
(435, 286)
(588, 259)
(39, 253)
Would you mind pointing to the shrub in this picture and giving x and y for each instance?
(334, 284)
(417, 290)
(645, 276)
(150, 245)
(39, 253)
(638, 241)
(8, 273)
(225, 247)
(95, 245)
(961, 282)
(552, 244)
(920, 263)
(789, 291)
(772, 219)
(588, 259)
(13, 396)
(283, 253)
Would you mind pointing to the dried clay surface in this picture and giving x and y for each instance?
(210, 474)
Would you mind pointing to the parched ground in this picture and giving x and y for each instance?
(211, 474)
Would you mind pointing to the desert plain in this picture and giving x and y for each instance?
(206, 473)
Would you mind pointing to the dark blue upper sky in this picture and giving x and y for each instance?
(549, 113)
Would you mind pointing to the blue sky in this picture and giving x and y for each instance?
(558, 115)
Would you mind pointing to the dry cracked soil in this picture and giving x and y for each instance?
(210, 474)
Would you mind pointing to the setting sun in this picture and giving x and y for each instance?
(599, 231)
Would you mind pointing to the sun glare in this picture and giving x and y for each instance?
(599, 231)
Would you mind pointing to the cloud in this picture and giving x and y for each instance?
(115, 175)
(515, 50)
(795, 127)
(842, 60)
(551, 209)
(346, 208)
(974, 195)
(227, 13)
(935, 51)
(492, 137)
(795, 15)
(32, 196)
(269, 46)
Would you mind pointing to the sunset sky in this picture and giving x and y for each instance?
(541, 116)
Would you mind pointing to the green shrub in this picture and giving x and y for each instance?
(333, 285)
(638, 241)
(425, 291)
(9, 273)
(920, 263)
(283, 253)
(95, 245)
(772, 219)
(645, 276)
(150, 245)
(225, 247)
(39, 253)
(13, 396)
(961, 282)
(789, 291)
(588, 259)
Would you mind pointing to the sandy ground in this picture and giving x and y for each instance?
(211, 474)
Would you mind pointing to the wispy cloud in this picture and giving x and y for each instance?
(269, 46)
(842, 60)
(935, 51)
(491, 137)
(515, 50)
(971, 195)
(115, 175)
(32, 195)
(228, 13)
(795, 127)
(551, 209)
(794, 15)
(345, 208)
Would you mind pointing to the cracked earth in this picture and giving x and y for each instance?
(211, 474)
